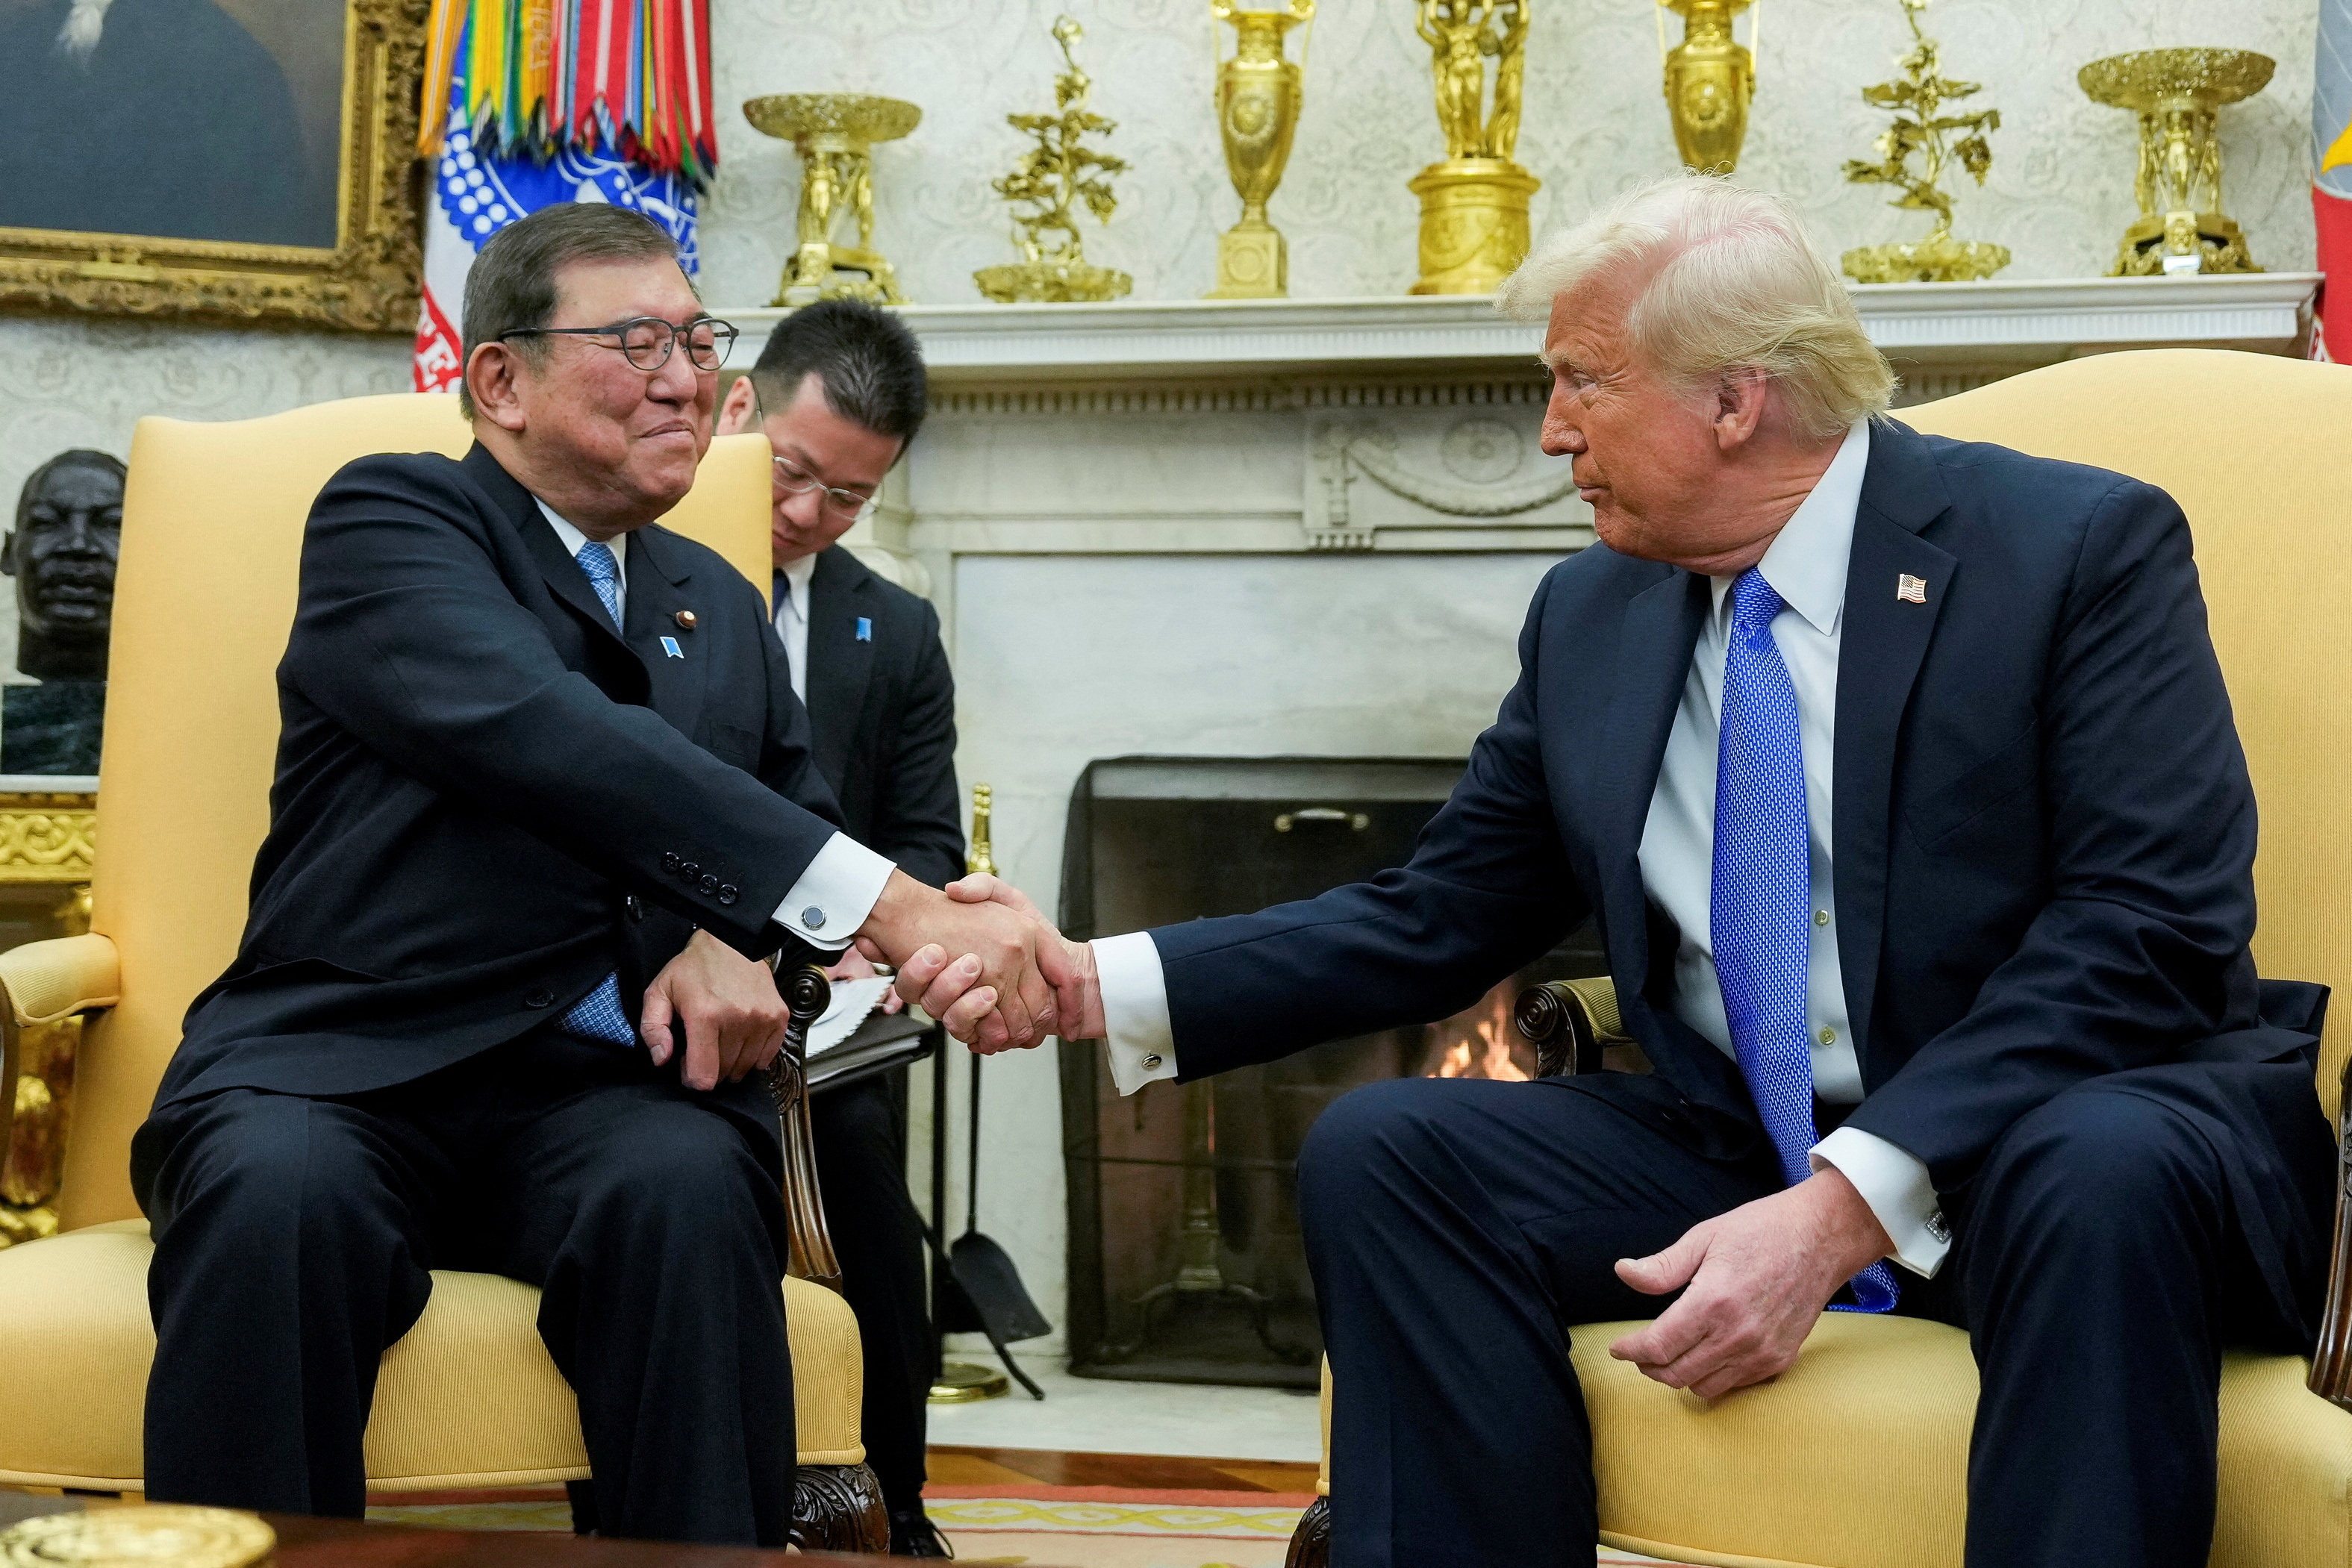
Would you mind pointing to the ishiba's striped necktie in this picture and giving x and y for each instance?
(599, 1016)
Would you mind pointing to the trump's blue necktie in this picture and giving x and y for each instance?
(599, 1016)
(1760, 907)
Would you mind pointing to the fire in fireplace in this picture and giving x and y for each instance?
(1185, 1259)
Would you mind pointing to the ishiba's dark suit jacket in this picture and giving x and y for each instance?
(486, 800)
(2043, 834)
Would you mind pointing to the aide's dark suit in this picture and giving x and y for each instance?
(486, 800)
(2042, 841)
(883, 711)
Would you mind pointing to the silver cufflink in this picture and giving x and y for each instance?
(813, 917)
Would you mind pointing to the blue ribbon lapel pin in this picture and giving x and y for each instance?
(669, 646)
(865, 629)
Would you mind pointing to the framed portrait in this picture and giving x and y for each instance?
(224, 161)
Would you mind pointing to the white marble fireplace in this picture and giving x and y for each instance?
(1300, 528)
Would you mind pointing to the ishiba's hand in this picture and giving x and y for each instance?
(857, 966)
(950, 992)
(1757, 1278)
(998, 946)
(727, 1005)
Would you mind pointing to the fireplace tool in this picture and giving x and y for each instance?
(807, 993)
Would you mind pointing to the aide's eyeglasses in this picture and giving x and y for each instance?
(647, 342)
(795, 480)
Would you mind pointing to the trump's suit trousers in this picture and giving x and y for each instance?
(293, 1238)
(1457, 1227)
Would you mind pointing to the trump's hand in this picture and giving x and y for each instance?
(950, 991)
(1759, 1278)
(992, 948)
(725, 1004)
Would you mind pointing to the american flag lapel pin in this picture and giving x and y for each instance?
(1910, 589)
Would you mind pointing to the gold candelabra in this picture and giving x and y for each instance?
(1052, 179)
(834, 133)
(1258, 98)
(1474, 203)
(1921, 130)
(1710, 81)
(2178, 94)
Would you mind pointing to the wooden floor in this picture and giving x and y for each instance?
(959, 1467)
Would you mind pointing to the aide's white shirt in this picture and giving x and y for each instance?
(840, 885)
(1806, 564)
(792, 621)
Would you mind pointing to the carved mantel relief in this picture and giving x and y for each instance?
(1470, 479)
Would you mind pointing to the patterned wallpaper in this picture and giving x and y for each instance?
(2058, 196)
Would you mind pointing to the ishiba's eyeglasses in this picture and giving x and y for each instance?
(795, 480)
(646, 341)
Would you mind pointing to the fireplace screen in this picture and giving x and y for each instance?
(1185, 1257)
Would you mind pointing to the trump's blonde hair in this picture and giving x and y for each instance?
(1734, 284)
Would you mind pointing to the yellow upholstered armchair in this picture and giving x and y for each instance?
(211, 530)
(2251, 448)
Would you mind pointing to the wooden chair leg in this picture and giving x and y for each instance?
(838, 1508)
(1310, 1543)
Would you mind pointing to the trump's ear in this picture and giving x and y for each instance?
(1742, 396)
(492, 370)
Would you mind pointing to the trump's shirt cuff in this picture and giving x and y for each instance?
(1140, 1041)
(1895, 1184)
(835, 895)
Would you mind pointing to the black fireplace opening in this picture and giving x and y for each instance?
(1185, 1260)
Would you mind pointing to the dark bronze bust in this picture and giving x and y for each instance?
(62, 553)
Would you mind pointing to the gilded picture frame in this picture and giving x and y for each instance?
(366, 281)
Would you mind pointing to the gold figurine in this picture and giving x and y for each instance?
(1920, 131)
(1710, 81)
(1473, 204)
(1258, 98)
(2176, 93)
(1052, 179)
(834, 132)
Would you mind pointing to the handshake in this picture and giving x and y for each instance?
(981, 959)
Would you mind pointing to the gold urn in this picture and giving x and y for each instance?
(834, 133)
(2178, 95)
(1710, 81)
(1258, 98)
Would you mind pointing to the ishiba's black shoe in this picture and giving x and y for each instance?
(912, 1534)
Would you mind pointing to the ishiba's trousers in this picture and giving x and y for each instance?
(1457, 1227)
(293, 1238)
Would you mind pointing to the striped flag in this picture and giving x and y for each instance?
(554, 100)
(2331, 179)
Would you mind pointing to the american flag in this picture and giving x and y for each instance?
(2331, 175)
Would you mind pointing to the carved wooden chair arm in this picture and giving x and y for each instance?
(1571, 1023)
(2331, 1362)
(807, 993)
(44, 982)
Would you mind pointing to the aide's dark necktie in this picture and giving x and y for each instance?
(599, 1016)
(1760, 901)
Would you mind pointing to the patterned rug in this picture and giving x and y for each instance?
(1042, 1527)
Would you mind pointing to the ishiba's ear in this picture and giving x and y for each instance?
(492, 372)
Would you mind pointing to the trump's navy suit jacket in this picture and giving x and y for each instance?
(488, 799)
(2043, 833)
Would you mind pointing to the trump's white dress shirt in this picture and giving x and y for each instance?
(840, 887)
(1806, 565)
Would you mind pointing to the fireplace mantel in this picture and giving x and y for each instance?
(2005, 323)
